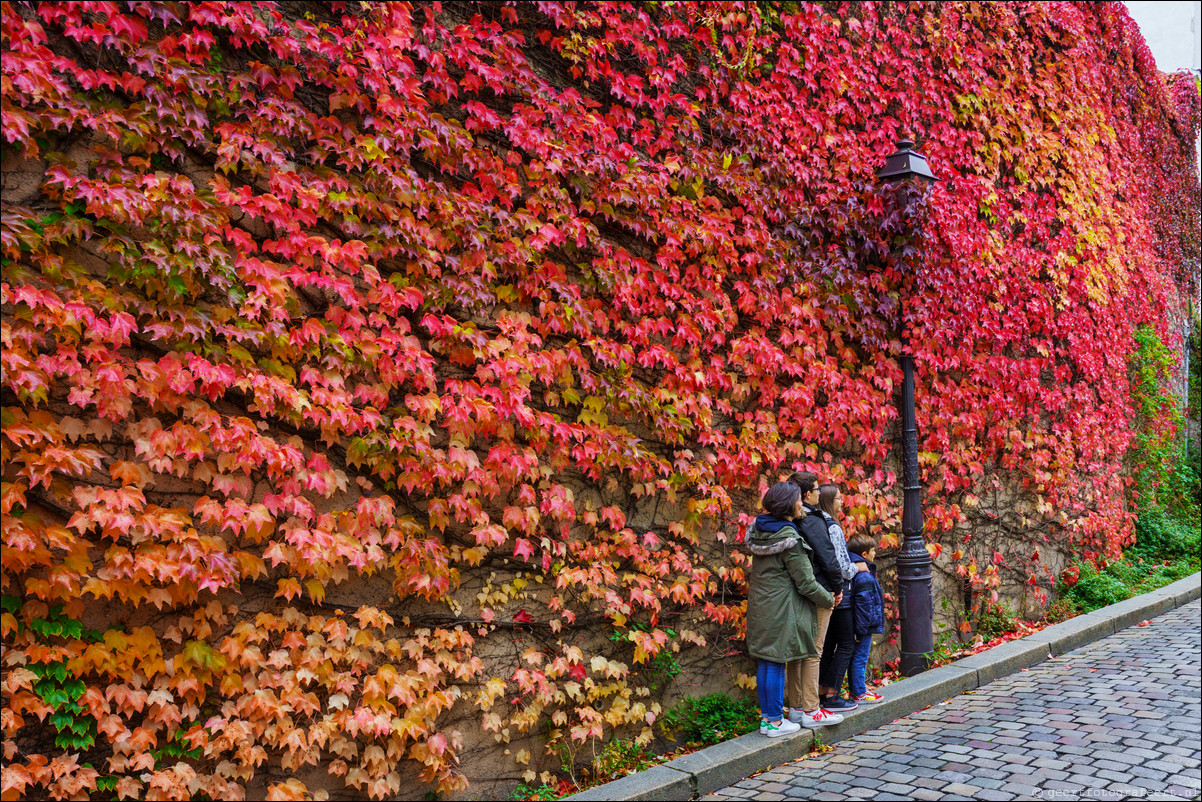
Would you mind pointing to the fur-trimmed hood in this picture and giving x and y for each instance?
(771, 535)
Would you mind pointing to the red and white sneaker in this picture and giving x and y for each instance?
(819, 718)
(868, 697)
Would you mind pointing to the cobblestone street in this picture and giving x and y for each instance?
(1117, 719)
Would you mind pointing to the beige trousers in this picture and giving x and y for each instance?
(801, 676)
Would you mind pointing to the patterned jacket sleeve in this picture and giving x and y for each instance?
(840, 543)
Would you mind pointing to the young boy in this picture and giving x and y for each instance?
(868, 605)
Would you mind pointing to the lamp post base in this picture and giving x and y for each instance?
(917, 606)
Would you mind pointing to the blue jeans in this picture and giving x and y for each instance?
(770, 682)
(857, 675)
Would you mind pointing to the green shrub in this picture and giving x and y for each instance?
(1159, 537)
(1121, 580)
(1181, 493)
(712, 719)
(543, 793)
(995, 620)
(947, 648)
(1060, 610)
(1095, 589)
(620, 757)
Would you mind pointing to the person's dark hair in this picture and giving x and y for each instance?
(826, 498)
(805, 481)
(860, 543)
(780, 499)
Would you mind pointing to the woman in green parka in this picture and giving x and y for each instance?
(782, 593)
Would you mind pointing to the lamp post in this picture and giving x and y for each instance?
(914, 562)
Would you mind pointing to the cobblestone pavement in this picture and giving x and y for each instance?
(1118, 719)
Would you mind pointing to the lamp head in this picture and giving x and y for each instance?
(905, 164)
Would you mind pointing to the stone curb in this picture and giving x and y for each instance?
(657, 784)
(726, 763)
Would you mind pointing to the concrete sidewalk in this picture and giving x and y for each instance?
(725, 764)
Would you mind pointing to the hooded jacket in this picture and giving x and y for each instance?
(868, 602)
(782, 624)
(826, 563)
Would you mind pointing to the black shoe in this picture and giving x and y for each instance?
(837, 704)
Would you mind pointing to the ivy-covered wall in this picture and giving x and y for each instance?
(372, 367)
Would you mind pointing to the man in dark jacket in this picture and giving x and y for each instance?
(801, 676)
(812, 526)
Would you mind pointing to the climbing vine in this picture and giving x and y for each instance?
(1158, 416)
(345, 341)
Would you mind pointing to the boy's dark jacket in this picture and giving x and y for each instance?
(812, 524)
(867, 601)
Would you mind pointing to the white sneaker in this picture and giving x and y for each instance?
(820, 718)
(764, 724)
(796, 715)
(777, 730)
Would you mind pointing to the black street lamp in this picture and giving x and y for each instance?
(917, 601)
